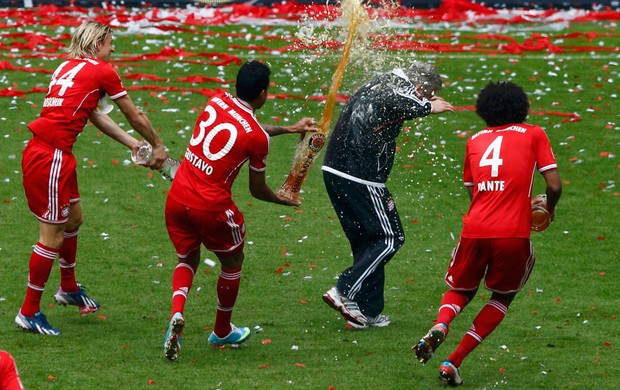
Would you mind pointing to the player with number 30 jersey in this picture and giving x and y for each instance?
(226, 135)
(200, 209)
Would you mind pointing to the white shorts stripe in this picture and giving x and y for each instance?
(53, 206)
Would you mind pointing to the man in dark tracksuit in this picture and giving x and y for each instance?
(358, 161)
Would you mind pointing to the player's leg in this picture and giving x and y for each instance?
(510, 265)
(465, 271)
(70, 292)
(46, 172)
(40, 266)
(223, 233)
(185, 237)
(68, 251)
(228, 283)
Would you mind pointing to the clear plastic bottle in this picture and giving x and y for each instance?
(144, 155)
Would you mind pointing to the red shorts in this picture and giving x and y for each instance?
(221, 232)
(50, 181)
(504, 263)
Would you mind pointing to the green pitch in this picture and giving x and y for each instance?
(560, 332)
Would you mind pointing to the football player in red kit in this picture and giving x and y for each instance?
(9, 376)
(49, 166)
(500, 162)
(200, 209)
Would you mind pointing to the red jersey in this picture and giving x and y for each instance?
(226, 135)
(500, 163)
(73, 94)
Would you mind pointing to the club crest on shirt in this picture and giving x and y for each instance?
(390, 204)
(64, 211)
(316, 142)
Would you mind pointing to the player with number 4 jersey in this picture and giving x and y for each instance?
(499, 168)
(498, 173)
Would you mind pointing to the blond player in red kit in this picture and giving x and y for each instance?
(49, 166)
(200, 209)
(498, 172)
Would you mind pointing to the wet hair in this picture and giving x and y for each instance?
(252, 79)
(87, 38)
(427, 75)
(502, 103)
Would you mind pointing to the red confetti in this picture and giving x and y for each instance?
(557, 299)
(266, 341)
(51, 377)
(279, 270)
(600, 238)
(264, 366)
(283, 251)
(151, 382)
(607, 344)
(502, 370)
(114, 162)
(602, 273)
(303, 302)
(300, 365)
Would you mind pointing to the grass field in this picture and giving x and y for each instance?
(561, 331)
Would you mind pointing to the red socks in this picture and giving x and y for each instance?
(227, 290)
(182, 279)
(485, 322)
(41, 262)
(66, 259)
(451, 305)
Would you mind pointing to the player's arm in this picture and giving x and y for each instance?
(260, 190)
(470, 192)
(138, 120)
(107, 126)
(553, 191)
(304, 125)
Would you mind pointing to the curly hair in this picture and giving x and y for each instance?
(87, 38)
(502, 103)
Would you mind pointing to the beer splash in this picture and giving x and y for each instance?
(311, 144)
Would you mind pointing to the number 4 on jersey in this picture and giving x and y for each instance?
(494, 161)
(66, 80)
